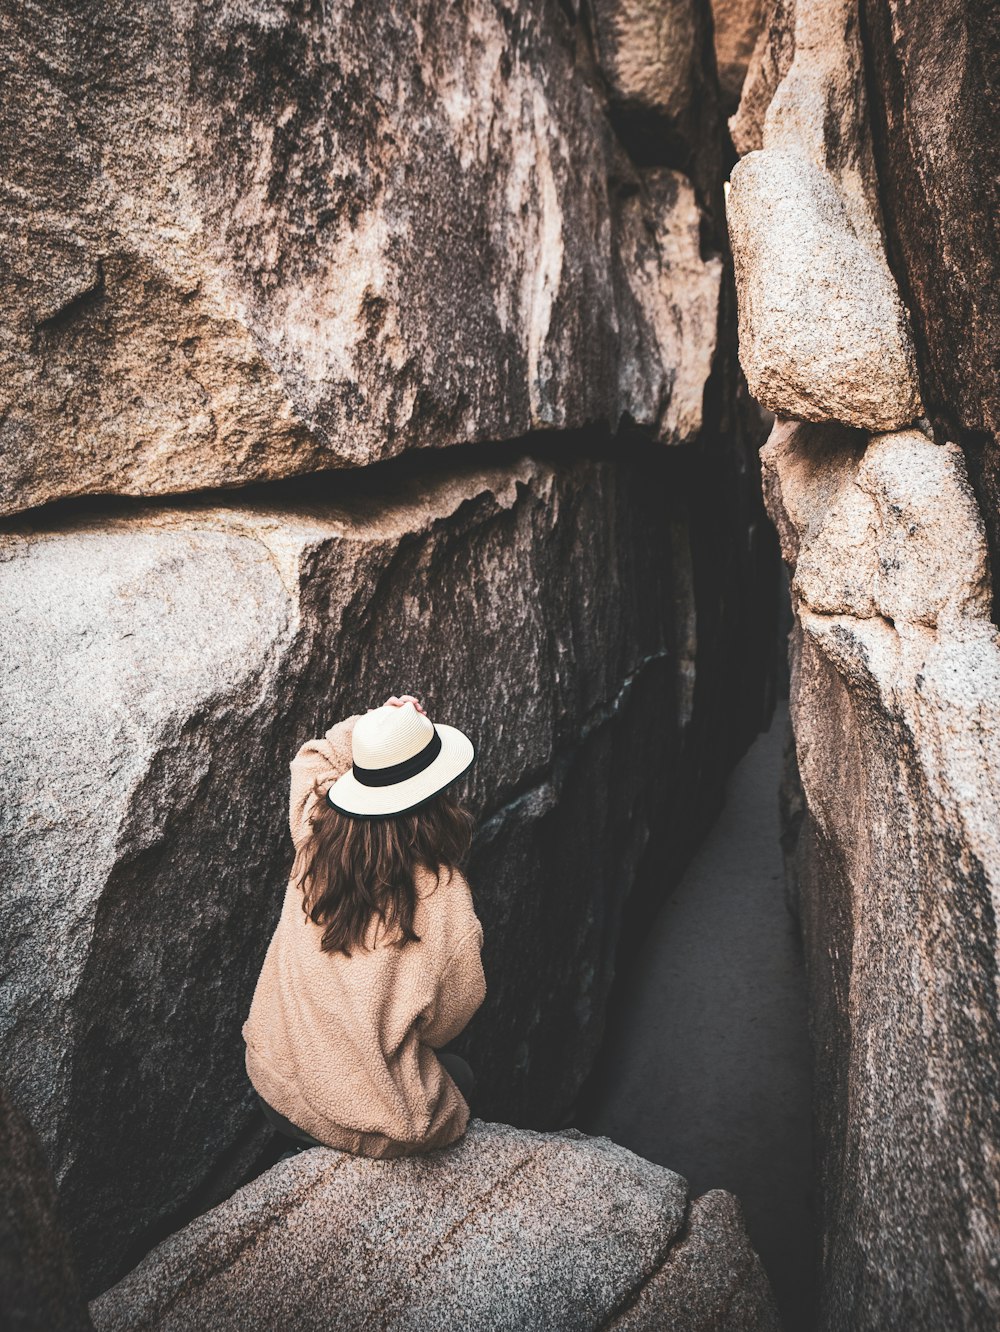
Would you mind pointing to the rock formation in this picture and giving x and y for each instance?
(935, 110)
(250, 245)
(255, 244)
(508, 1230)
(195, 648)
(895, 837)
(39, 1291)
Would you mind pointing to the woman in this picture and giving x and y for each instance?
(375, 963)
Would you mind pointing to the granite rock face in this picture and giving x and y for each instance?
(820, 106)
(737, 26)
(505, 1230)
(39, 1291)
(768, 65)
(249, 242)
(144, 841)
(896, 709)
(823, 333)
(893, 825)
(935, 111)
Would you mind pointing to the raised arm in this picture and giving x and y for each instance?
(323, 761)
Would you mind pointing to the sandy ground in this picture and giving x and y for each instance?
(708, 1065)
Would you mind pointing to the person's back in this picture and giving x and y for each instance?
(375, 962)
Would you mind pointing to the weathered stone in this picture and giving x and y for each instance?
(711, 1278)
(896, 706)
(656, 62)
(737, 25)
(246, 243)
(649, 52)
(39, 1291)
(770, 62)
(506, 1230)
(936, 107)
(820, 106)
(823, 334)
(160, 668)
(685, 340)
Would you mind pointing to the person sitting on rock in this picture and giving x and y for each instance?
(375, 962)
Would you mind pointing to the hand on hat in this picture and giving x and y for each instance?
(398, 702)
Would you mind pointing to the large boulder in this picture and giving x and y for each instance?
(251, 241)
(823, 333)
(935, 111)
(39, 1291)
(160, 667)
(507, 1231)
(896, 708)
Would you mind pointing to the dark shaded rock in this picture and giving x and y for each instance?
(658, 67)
(195, 648)
(505, 1230)
(39, 1291)
(253, 241)
(896, 706)
(737, 26)
(935, 78)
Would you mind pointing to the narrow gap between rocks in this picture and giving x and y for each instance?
(706, 1065)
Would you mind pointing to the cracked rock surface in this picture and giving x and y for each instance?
(506, 1230)
(896, 708)
(247, 243)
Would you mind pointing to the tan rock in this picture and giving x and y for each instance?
(737, 26)
(896, 708)
(823, 333)
(768, 65)
(648, 51)
(285, 245)
(820, 107)
(509, 1229)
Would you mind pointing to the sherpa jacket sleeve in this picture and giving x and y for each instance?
(461, 986)
(323, 761)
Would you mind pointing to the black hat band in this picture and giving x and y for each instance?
(399, 772)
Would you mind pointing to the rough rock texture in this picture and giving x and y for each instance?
(936, 74)
(507, 1230)
(710, 1279)
(896, 707)
(657, 65)
(245, 242)
(649, 52)
(195, 648)
(39, 1291)
(737, 25)
(820, 107)
(823, 333)
(769, 63)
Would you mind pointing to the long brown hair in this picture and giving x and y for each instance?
(352, 870)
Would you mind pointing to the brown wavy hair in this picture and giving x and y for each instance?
(351, 870)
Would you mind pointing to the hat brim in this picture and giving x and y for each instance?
(349, 796)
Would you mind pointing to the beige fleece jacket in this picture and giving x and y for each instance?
(344, 1046)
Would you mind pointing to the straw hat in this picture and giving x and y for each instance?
(400, 759)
